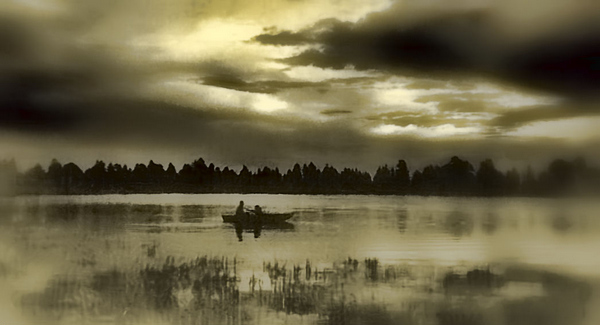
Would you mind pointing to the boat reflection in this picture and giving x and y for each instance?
(257, 228)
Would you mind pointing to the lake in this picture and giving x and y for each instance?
(169, 259)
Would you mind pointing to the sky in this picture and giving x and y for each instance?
(351, 83)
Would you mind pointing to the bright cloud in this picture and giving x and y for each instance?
(316, 74)
(42, 5)
(200, 96)
(394, 96)
(445, 130)
(519, 100)
(211, 39)
(573, 128)
(470, 116)
(266, 103)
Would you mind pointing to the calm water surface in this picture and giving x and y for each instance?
(169, 259)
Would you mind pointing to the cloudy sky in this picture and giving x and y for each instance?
(354, 83)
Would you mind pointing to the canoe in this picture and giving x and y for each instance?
(267, 218)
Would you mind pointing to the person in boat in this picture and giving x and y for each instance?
(258, 210)
(240, 210)
(240, 213)
(240, 216)
(257, 220)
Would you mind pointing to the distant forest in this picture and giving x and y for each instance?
(456, 178)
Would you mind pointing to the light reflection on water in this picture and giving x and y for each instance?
(119, 259)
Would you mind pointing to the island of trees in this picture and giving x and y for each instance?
(456, 178)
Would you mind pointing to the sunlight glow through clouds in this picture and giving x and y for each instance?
(445, 130)
(470, 116)
(45, 5)
(573, 128)
(402, 99)
(515, 100)
(316, 74)
(203, 97)
(296, 14)
(204, 41)
(266, 103)
(215, 38)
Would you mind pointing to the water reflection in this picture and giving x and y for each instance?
(412, 261)
(216, 290)
(256, 228)
(490, 223)
(402, 220)
(561, 223)
(7, 211)
(195, 213)
(459, 224)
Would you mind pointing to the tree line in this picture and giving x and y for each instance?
(456, 178)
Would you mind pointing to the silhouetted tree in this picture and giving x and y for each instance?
(156, 172)
(355, 181)
(457, 177)
(97, 175)
(140, 174)
(416, 183)
(33, 179)
(228, 178)
(217, 179)
(8, 177)
(111, 175)
(245, 178)
(490, 180)
(55, 175)
(513, 182)
(432, 180)
(36, 173)
(74, 178)
(401, 177)
(561, 173)
(563, 177)
(530, 184)
(384, 179)
(200, 171)
(310, 177)
(186, 174)
(171, 173)
(209, 178)
(293, 178)
(330, 180)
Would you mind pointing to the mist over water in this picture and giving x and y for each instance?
(169, 259)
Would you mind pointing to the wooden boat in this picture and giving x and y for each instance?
(266, 218)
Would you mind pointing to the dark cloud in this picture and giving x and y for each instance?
(266, 87)
(22, 107)
(422, 47)
(77, 98)
(230, 137)
(284, 38)
(34, 85)
(335, 112)
(52, 84)
(426, 84)
(568, 64)
(68, 84)
(562, 58)
(526, 115)
(65, 98)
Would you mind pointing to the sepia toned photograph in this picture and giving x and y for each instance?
(299, 162)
